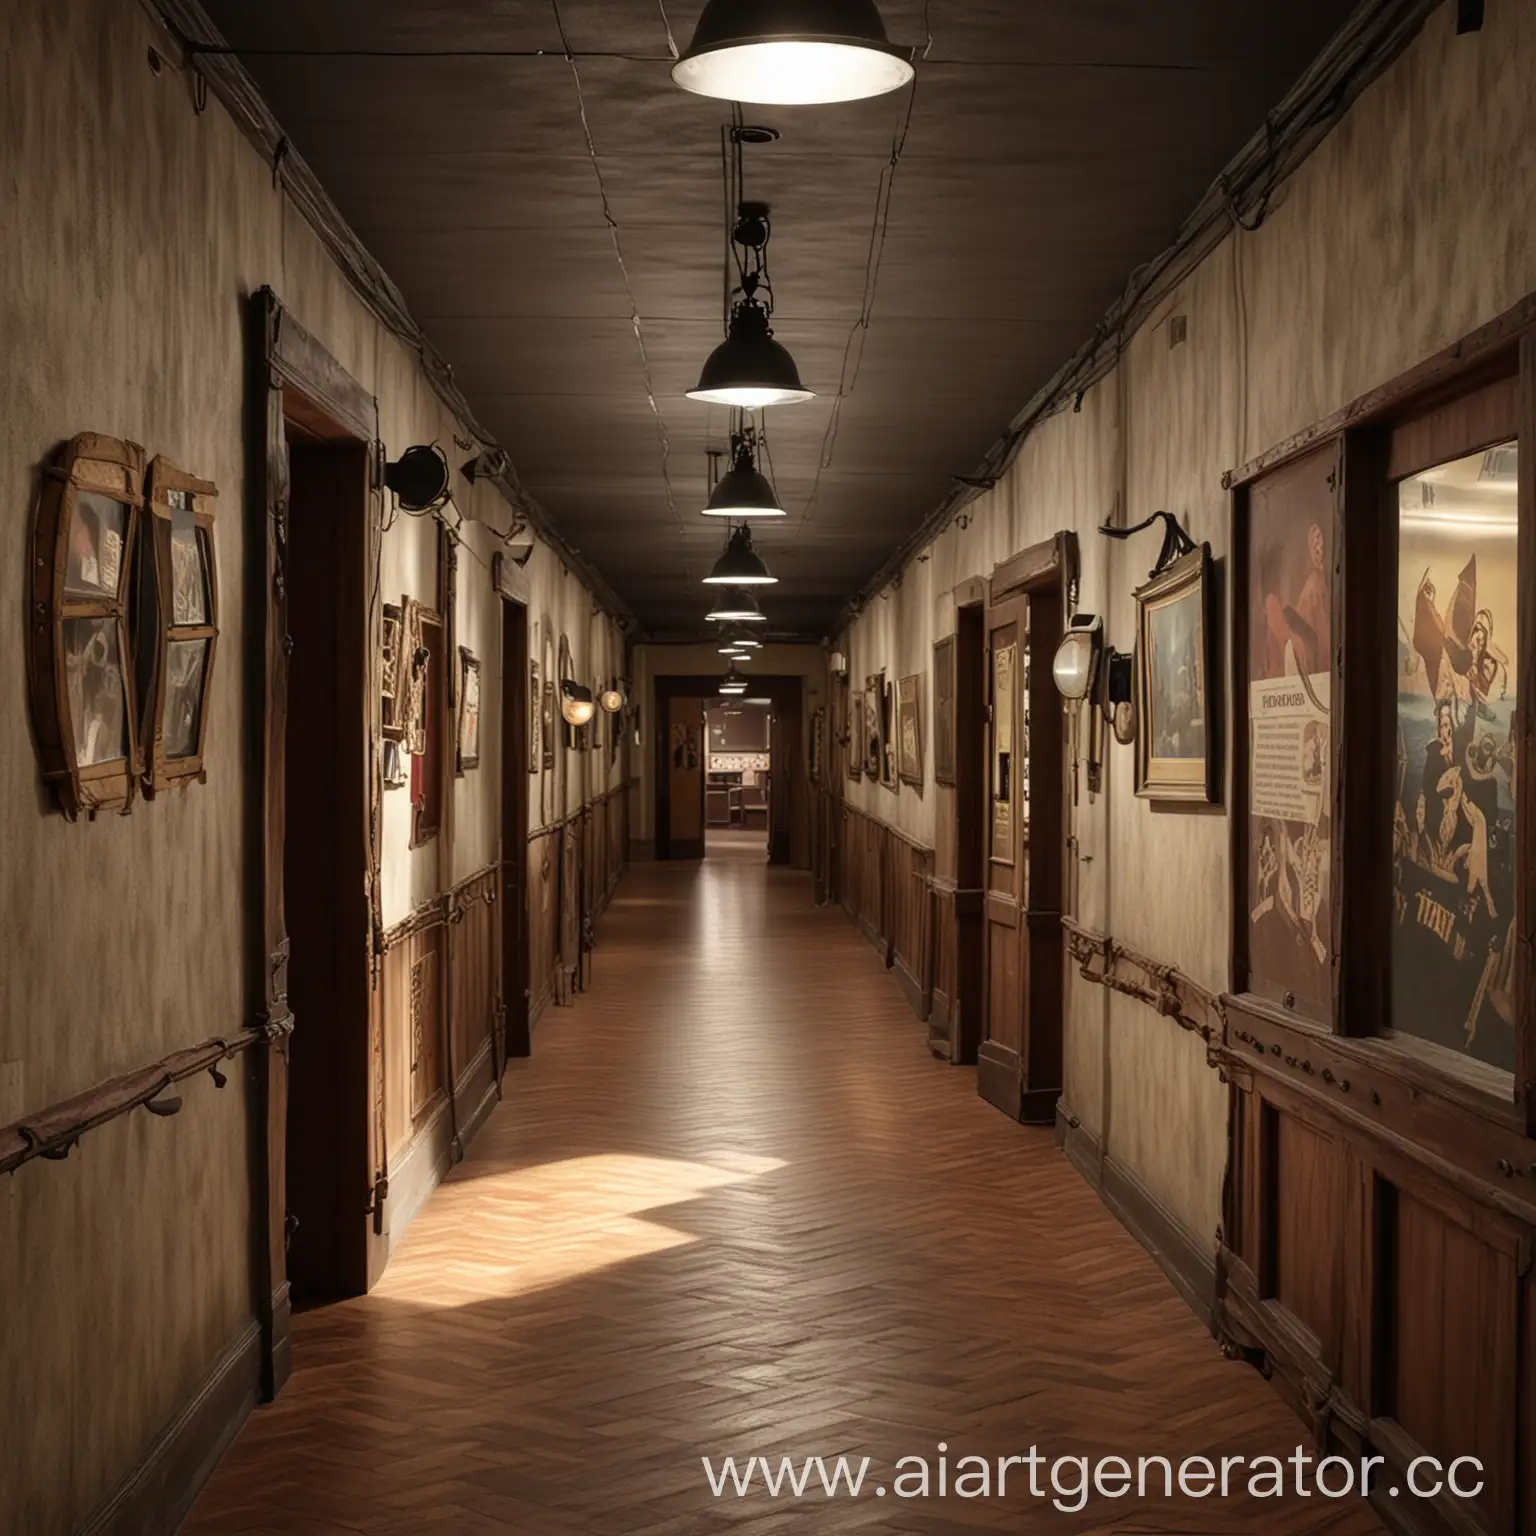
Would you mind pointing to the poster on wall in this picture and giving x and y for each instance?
(1453, 843)
(853, 742)
(1293, 520)
(909, 730)
(1175, 623)
(944, 711)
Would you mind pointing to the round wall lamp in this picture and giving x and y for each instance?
(1075, 667)
(612, 700)
(419, 478)
(740, 565)
(736, 605)
(576, 704)
(792, 53)
(744, 491)
(749, 369)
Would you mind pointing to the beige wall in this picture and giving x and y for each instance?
(1407, 229)
(131, 232)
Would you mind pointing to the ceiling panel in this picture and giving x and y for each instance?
(1051, 150)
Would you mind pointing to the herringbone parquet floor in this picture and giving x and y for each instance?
(732, 1207)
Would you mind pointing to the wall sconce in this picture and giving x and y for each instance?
(1075, 667)
(612, 699)
(419, 478)
(576, 704)
(837, 664)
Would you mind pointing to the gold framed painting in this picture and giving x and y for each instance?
(909, 730)
(1176, 747)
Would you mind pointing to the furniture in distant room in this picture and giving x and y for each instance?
(754, 806)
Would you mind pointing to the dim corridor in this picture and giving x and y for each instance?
(733, 1207)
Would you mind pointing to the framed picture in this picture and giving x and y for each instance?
(391, 642)
(874, 722)
(818, 731)
(547, 725)
(944, 711)
(888, 733)
(853, 740)
(85, 685)
(469, 710)
(909, 730)
(1176, 756)
(535, 717)
(392, 766)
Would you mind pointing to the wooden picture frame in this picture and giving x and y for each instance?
(944, 711)
(535, 716)
(816, 744)
(547, 729)
(874, 721)
(853, 735)
(429, 722)
(468, 722)
(177, 625)
(909, 730)
(888, 779)
(80, 656)
(391, 672)
(1176, 700)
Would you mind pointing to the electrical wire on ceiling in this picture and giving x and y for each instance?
(1236, 203)
(853, 349)
(629, 288)
(661, 5)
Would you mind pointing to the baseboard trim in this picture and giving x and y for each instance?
(155, 1496)
(1175, 1248)
(536, 1009)
(873, 936)
(911, 988)
(418, 1172)
(475, 1097)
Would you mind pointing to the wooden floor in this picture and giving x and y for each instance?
(733, 1207)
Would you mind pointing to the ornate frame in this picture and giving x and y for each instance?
(102, 468)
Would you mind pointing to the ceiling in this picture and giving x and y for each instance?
(1052, 149)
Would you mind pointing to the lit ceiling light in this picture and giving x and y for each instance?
(792, 53)
(744, 490)
(749, 368)
(733, 684)
(736, 605)
(736, 639)
(576, 703)
(740, 565)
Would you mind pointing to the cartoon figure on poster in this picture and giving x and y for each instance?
(1453, 840)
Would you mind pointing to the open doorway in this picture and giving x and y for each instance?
(325, 857)
(738, 736)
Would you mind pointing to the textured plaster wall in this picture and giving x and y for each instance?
(131, 233)
(1407, 229)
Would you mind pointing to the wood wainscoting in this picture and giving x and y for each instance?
(1376, 1254)
(1375, 1251)
(573, 868)
(884, 881)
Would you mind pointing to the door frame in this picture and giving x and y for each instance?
(970, 829)
(1047, 570)
(291, 374)
(514, 978)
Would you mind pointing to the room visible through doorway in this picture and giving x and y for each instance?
(738, 736)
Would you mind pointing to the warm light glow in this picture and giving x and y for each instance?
(792, 74)
(612, 700)
(751, 397)
(738, 580)
(577, 711)
(579, 1217)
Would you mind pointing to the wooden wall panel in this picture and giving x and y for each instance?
(1455, 1320)
(411, 1004)
(543, 918)
(1308, 1185)
(474, 934)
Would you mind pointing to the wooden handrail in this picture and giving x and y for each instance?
(53, 1131)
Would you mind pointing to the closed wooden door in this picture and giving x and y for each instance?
(683, 774)
(1006, 886)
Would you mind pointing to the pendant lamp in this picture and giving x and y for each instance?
(743, 490)
(733, 684)
(740, 565)
(792, 53)
(736, 605)
(749, 369)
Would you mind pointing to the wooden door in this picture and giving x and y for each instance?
(1000, 1056)
(514, 988)
(684, 751)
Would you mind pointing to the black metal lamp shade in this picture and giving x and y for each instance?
(740, 565)
(744, 491)
(749, 369)
(792, 53)
(736, 605)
